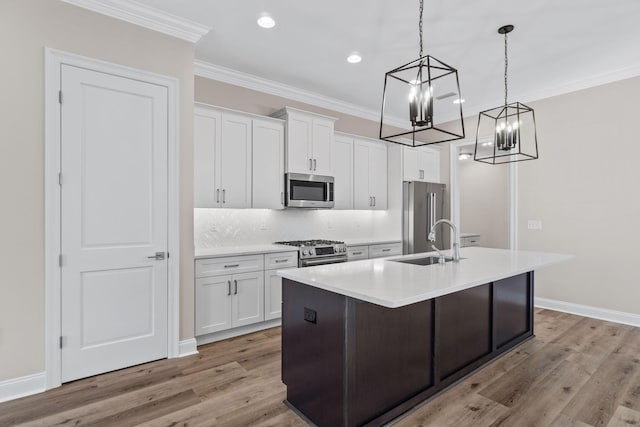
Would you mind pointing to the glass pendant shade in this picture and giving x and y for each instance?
(418, 95)
(506, 134)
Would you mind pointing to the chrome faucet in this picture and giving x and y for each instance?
(456, 238)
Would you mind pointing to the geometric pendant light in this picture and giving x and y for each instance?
(506, 133)
(419, 96)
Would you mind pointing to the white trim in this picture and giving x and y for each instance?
(250, 81)
(146, 16)
(454, 201)
(22, 386)
(188, 347)
(236, 332)
(589, 311)
(53, 62)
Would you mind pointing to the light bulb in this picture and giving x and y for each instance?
(266, 21)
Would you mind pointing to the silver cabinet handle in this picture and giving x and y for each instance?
(218, 195)
(315, 163)
(386, 250)
(224, 197)
(235, 292)
(310, 164)
(232, 265)
(228, 287)
(370, 201)
(374, 200)
(357, 253)
(159, 256)
(282, 198)
(278, 261)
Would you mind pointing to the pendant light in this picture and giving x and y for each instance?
(416, 96)
(506, 133)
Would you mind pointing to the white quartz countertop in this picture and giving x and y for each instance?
(359, 242)
(395, 284)
(242, 250)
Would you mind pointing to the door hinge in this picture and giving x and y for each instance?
(59, 97)
(60, 341)
(60, 260)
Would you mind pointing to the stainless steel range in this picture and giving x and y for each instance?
(318, 252)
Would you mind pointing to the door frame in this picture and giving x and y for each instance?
(54, 59)
(455, 190)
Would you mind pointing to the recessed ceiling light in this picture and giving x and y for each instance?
(354, 58)
(458, 101)
(266, 21)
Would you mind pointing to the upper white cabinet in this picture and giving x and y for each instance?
(421, 164)
(369, 174)
(268, 164)
(309, 141)
(222, 159)
(343, 171)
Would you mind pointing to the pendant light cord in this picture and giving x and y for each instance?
(506, 65)
(420, 25)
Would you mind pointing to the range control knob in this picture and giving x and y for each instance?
(305, 252)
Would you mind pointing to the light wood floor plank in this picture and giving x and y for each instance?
(625, 417)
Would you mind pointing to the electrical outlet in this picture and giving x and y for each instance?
(534, 224)
(310, 315)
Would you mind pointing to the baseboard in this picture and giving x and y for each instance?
(22, 386)
(187, 347)
(235, 332)
(589, 311)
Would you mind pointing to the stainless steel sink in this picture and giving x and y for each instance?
(429, 260)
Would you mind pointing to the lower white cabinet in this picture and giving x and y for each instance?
(385, 250)
(273, 300)
(229, 301)
(355, 253)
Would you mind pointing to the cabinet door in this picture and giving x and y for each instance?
(235, 161)
(206, 152)
(322, 145)
(213, 304)
(343, 172)
(410, 164)
(362, 198)
(268, 165)
(378, 175)
(272, 295)
(299, 144)
(430, 166)
(248, 298)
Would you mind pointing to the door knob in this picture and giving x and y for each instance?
(159, 256)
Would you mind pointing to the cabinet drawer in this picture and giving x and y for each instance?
(357, 252)
(280, 260)
(469, 241)
(379, 251)
(229, 265)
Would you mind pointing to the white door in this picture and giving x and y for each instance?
(248, 298)
(272, 295)
(213, 304)
(378, 175)
(235, 161)
(322, 145)
(268, 165)
(114, 217)
(299, 144)
(362, 198)
(206, 151)
(343, 172)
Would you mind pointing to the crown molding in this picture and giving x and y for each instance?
(250, 81)
(145, 16)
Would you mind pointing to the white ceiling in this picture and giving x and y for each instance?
(556, 45)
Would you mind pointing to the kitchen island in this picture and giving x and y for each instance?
(363, 342)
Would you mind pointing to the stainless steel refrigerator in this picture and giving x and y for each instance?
(423, 204)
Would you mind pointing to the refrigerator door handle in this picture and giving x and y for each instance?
(432, 211)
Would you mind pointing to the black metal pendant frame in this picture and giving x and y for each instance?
(525, 131)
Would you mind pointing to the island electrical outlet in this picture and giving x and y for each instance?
(309, 315)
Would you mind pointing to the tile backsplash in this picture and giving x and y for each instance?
(231, 227)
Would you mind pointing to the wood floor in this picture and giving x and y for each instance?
(576, 372)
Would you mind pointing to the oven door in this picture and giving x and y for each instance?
(308, 191)
(320, 261)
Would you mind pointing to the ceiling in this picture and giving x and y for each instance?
(556, 45)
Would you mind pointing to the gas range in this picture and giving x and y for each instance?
(318, 252)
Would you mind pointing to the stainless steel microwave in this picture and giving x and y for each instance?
(308, 191)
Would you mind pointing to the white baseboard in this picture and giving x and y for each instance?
(187, 347)
(235, 332)
(22, 386)
(588, 311)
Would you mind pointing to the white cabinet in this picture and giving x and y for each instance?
(369, 174)
(355, 253)
(469, 240)
(343, 171)
(268, 164)
(229, 300)
(420, 164)
(385, 250)
(273, 282)
(309, 140)
(222, 159)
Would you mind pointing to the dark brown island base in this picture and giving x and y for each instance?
(347, 362)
